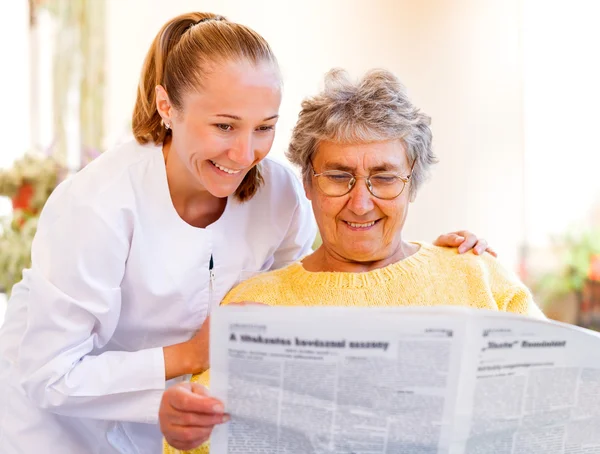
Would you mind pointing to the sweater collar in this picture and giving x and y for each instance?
(406, 267)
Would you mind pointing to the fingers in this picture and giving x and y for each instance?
(478, 245)
(196, 388)
(193, 397)
(468, 244)
(197, 420)
(449, 240)
(492, 252)
(465, 241)
(188, 414)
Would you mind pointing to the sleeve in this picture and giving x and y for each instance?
(74, 306)
(510, 294)
(519, 300)
(299, 237)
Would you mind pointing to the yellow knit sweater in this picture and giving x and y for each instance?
(433, 276)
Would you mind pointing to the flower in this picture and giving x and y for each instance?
(16, 236)
(37, 172)
(29, 183)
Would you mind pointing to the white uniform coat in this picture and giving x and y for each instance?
(116, 276)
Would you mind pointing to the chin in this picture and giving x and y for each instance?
(363, 255)
(220, 191)
(220, 188)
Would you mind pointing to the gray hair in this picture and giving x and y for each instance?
(376, 108)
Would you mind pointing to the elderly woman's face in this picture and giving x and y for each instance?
(358, 226)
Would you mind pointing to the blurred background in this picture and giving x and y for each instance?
(512, 87)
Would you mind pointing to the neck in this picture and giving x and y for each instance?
(194, 204)
(325, 259)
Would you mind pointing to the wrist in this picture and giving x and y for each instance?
(196, 354)
(189, 357)
(180, 360)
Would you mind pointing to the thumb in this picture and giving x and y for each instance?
(192, 387)
(457, 239)
(197, 388)
(449, 240)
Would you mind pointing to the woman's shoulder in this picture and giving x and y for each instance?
(450, 254)
(485, 265)
(113, 168)
(266, 287)
(279, 170)
(280, 181)
(282, 197)
(105, 185)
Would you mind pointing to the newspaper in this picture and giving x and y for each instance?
(402, 380)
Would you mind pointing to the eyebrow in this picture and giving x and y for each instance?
(379, 168)
(235, 117)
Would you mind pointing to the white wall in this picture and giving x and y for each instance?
(561, 116)
(460, 61)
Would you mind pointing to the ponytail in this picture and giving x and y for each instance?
(146, 121)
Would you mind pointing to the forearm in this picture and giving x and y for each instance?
(185, 358)
(121, 386)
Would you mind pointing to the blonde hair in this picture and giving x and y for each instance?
(179, 58)
(374, 109)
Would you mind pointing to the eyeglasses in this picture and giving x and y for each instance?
(384, 185)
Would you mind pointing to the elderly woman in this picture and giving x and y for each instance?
(365, 150)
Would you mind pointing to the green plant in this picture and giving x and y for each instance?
(575, 251)
(39, 172)
(16, 235)
(28, 183)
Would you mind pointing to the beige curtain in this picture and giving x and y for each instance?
(77, 75)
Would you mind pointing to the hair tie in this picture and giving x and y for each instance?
(206, 19)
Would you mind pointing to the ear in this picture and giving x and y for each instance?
(163, 104)
(307, 188)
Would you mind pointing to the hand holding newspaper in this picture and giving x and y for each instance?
(402, 380)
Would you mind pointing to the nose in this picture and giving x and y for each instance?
(242, 153)
(361, 200)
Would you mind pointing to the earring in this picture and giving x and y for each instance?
(166, 125)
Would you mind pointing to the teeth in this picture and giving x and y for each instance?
(225, 169)
(361, 226)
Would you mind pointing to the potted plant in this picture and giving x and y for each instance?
(16, 236)
(578, 252)
(28, 183)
